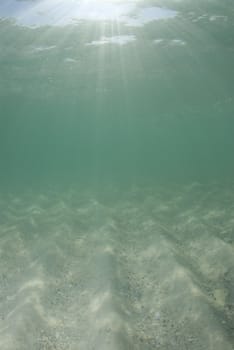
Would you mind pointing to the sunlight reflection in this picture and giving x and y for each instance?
(61, 13)
(118, 39)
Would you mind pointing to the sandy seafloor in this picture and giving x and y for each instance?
(134, 268)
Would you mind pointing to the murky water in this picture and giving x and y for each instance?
(116, 175)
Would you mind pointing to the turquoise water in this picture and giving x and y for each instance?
(116, 174)
(155, 103)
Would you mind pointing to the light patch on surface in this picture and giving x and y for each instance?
(150, 14)
(172, 42)
(118, 40)
(70, 60)
(60, 12)
(216, 17)
(43, 48)
(158, 41)
(177, 42)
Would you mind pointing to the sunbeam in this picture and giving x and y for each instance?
(60, 12)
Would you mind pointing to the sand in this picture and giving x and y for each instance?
(140, 268)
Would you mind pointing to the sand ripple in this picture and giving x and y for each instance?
(146, 268)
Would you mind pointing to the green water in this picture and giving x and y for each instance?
(144, 111)
(116, 175)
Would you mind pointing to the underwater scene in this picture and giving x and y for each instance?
(116, 175)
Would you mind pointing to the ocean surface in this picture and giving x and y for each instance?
(116, 175)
